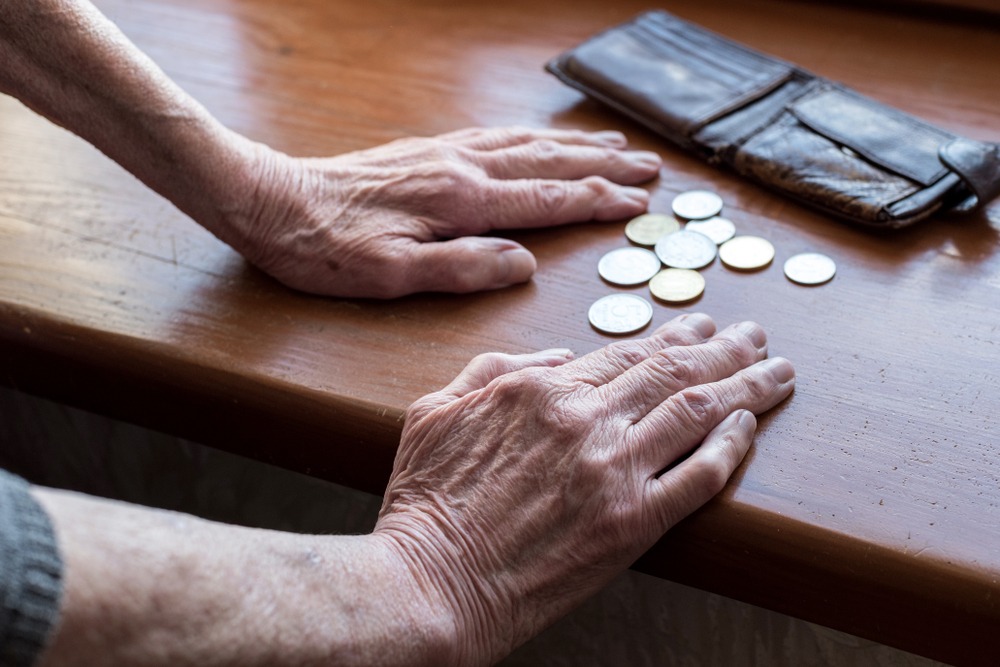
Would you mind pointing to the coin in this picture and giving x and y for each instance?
(677, 285)
(686, 250)
(629, 266)
(620, 313)
(810, 268)
(648, 228)
(746, 253)
(697, 204)
(718, 229)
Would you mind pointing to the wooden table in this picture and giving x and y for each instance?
(871, 502)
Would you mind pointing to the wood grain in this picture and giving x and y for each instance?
(871, 502)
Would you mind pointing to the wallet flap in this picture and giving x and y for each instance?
(879, 133)
(657, 57)
(978, 164)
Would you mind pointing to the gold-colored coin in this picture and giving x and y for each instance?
(746, 253)
(648, 228)
(677, 285)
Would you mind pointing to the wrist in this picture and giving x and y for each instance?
(469, 612)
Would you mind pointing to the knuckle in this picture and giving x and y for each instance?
(630, 352)
(536, 387)
(546, 150)
(739, 349)
(489, 364)
(676, 368)
(550, 197)
(711, 472)
(446, 175)
(758, 384)
(697, 406)
(519, 134)
(525, 384)
(597, 185)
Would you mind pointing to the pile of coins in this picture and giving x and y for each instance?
(684, 250)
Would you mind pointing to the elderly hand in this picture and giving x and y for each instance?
(527, 483)
(408, 216)
(518, 490)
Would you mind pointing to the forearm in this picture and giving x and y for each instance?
(69, 63)
(149, 587)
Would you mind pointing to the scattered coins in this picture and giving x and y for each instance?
(746, 253)
(620, 313)
(697, 204)
(677, 285)
(629, 266)
(686, 250)
(647, 229)
(810, 268)
(704, 236)
(718, 229)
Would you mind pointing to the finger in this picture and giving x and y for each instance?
(517, 204)
(672, 369)
(551, 159)
(482, 370)
(502, 137)
(682, 421)
(467, 264)
(604, 365)
(681, 490)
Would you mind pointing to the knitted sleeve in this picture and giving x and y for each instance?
(30, 574)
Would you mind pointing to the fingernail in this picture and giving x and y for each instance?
(558, 352)
(611, 138)
(700, 322)
(637, 195)
(780, 369)
(646, 159)
(746, 419)
(516, 266)
(754, 332)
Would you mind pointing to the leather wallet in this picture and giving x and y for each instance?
(803, 135)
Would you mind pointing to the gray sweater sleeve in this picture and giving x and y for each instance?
(30, 574)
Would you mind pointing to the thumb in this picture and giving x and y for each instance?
(469, 264)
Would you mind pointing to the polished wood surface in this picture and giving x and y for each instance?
(871, 502)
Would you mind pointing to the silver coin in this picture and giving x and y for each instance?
(686, 250)
(697, 204)
(620, 313)
(718, 229)
(629, 266)
(746, 253)
(810, 268)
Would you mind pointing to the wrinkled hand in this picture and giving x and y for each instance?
(530, 481)
(406, 217)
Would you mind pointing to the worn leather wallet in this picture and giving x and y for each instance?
(773, 122)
